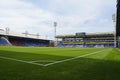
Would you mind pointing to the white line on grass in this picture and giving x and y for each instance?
(56, 62)
(29, 62)
(42, 61)
(21, 61)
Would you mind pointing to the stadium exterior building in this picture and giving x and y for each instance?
(22, 39)
(86, 40)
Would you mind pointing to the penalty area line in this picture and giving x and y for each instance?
(56, 62)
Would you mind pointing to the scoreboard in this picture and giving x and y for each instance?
(80, 34)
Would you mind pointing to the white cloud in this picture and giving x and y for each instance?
(103, 21)
(72, 15)
(21, 16)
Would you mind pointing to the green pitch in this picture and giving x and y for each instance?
(30, 63)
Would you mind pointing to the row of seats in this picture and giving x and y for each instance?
(34, 43)
(27, 43)
(16, 43)
(21, 42)
(87, 45)
(2, 42)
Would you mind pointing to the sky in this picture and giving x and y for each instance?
(72, 16)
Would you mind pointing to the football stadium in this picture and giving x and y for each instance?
(80, 56)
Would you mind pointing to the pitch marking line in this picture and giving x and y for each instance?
(21, 61)
(56, 62)
(42, 61)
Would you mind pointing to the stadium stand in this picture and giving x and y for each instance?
(98, 40)
(15, 39)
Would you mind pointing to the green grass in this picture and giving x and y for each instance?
(100, 66)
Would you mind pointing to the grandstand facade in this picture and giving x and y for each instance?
(118, 23)
(86, 40)
(22, 39)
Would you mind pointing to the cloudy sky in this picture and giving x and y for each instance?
(37, 16)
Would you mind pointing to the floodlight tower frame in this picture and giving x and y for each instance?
(55, 32)
(115, 37)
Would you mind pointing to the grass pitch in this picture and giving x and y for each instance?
(30, 63)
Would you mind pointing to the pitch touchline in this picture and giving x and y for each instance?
(73, 58)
